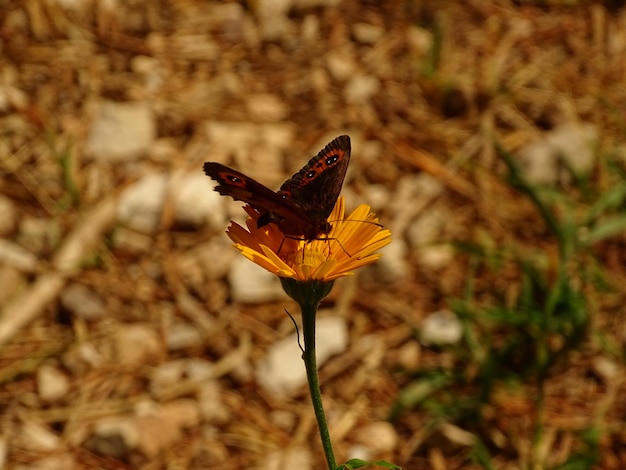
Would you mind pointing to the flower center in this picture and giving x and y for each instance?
(305, 254)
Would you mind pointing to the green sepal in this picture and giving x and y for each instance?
(307, 293)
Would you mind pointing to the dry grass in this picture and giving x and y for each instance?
(503, 70)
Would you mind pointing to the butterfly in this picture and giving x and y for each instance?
(300, 208)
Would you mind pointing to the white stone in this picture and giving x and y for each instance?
(291, 457)
(310, 29)
(121, 131)
(428, 228)
(272, 18)
(162, 426)
(83, 357)
(340, 63)
(16, 256)
(361, 89)
(169, 373)
(435, 256)
(166, 374)
(182, 336)
(82, 302)
(379, 437)
(211, 260)
(38, 234)
(605, 368)
(359, 451)
(419, 40)
(367, 33)
(409, 355)
(12, 97)
(282, 370)
(209, 398)
(52, 384)
(151, 70)
(137, 344)
(266, 107)
(571, 143)
(268, 8)
(114, 437)
(413, 196)
(376, 196)
(143, 64)
(393, 265)
(164, 151)
(200, 369)
(195, 203)
(441, 328)
(250, 283)
(141, 205)
(284, 419)
(38, 437)
(4, 447)
(457, 435)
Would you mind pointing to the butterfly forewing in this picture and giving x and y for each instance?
(316, 187)
(243, 188)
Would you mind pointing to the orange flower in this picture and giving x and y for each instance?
(352, 243)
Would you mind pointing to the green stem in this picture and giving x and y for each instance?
(308, 329)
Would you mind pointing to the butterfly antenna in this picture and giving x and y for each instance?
(359, 221)
(281, 246)
(295, 324)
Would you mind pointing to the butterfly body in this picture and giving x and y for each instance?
(300, 208)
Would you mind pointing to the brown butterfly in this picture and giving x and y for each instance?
(302, 205)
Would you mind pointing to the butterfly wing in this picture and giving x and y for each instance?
(302, 205)
(243, 188)
(316, 187)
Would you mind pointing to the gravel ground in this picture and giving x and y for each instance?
(134, 336)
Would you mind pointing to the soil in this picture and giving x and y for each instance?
(427, 90)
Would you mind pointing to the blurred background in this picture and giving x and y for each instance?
(487, 135)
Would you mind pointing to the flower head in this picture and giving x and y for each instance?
(351, 244)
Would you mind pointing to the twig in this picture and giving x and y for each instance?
(30, 304)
